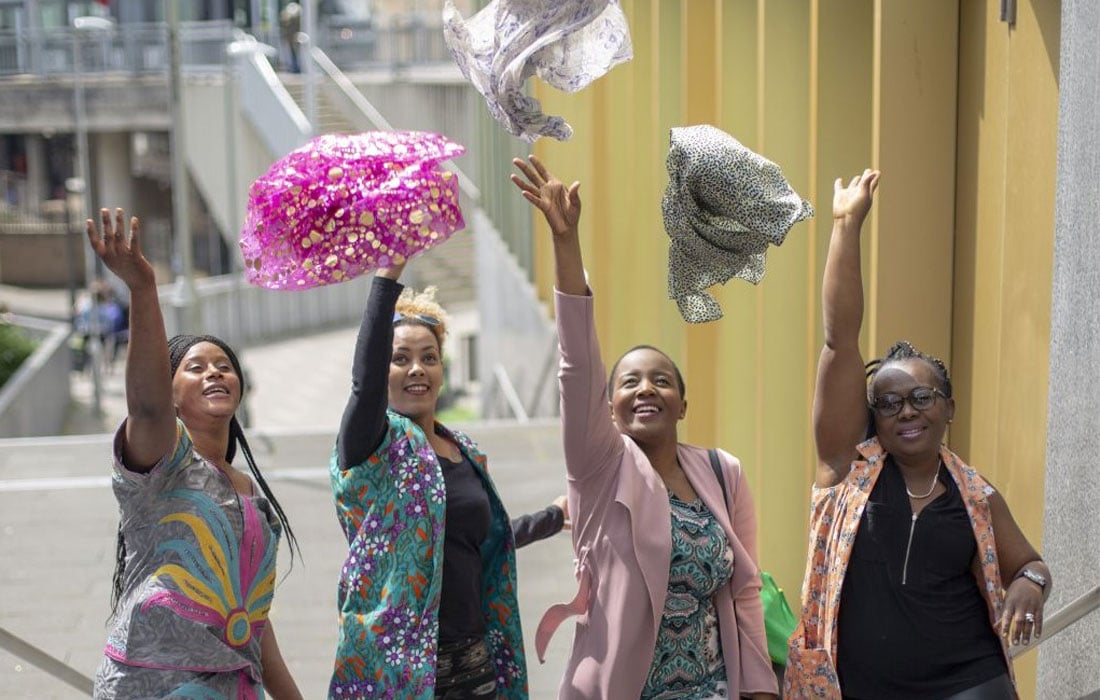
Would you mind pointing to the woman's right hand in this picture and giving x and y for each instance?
(392, 272)
(852, 203)
(121, 256)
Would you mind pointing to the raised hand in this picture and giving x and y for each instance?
(854, 201)
(560, 205)
(119, 252)
(392, 271)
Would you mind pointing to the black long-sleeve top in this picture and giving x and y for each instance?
(362, 430)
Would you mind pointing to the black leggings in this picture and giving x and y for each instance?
(464, 670)
(999, 688)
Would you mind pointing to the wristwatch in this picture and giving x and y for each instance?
(1035, 577)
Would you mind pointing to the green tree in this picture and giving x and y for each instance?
(15, 347)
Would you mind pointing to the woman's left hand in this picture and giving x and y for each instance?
(560, 205)
(562, 502)
(1022, 619)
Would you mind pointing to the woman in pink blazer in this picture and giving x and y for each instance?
(669, 595)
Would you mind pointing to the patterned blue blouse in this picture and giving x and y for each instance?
(687, 662)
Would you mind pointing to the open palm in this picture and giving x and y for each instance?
(560, 205)
(121, 254)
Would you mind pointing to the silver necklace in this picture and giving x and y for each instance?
(935, 477)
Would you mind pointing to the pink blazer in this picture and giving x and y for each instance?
(622, 539)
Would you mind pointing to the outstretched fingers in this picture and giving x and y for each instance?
(533, 177)
(541, 169)
(135, 236)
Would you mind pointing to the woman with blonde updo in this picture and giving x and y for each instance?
(427, 593)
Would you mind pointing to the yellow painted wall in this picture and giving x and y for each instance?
(960, 114)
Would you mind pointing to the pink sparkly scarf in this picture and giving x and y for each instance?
(345, 204)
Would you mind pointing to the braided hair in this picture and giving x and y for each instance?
(898, 352)
(177, 350)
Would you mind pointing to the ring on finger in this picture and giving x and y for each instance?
(1029, 617)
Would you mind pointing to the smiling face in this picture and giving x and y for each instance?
(911, 434)
(416, 373)
(646, 401)
(205, 384)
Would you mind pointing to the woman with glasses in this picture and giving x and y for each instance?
(918, 578)
(427, 594)
(665, 532)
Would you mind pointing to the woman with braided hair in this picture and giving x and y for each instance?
(918, 578)
(197, 538)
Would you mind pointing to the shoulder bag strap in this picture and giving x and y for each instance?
(716, 465)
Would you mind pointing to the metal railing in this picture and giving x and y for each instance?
(136, 48)
(56, 668)
(400, 41)
(142, 47)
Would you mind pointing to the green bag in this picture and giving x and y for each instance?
(779, 621)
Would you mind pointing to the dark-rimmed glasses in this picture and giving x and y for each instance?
(422, 318)
(921, 399)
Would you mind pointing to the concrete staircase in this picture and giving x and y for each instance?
(450, 267)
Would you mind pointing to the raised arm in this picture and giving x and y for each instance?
(840, 397)
(151, 418)
(562, 208)
(363, 425)
(590, 438)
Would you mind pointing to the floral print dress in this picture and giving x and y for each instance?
(687, 661)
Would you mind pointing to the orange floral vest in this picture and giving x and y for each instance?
(834, 520)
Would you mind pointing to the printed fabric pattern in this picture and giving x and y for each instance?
(724, 205)
(834, 520)
(200, 578)
(392, 510)
(687, 661)
(566, 43)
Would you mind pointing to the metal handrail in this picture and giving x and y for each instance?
(1071, 613)
(348, 89)
(508, 390)
(33, 655)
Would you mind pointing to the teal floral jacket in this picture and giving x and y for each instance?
(392, 509)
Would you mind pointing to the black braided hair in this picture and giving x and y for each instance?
(177, 350)
(615, 367)
(899, 351)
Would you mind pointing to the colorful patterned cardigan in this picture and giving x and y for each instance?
(392, 509)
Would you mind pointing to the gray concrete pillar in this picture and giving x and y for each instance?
(1069, 663)
(37, 175)
(111, 171)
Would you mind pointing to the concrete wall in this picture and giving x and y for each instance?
(1069, 664)
(38, 255)
(517, 336)
(36, 398)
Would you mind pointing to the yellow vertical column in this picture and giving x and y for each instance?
(702, 82)
(784, 313)
(916, 69)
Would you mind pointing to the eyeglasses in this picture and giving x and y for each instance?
(920, 398)
(422, 318)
